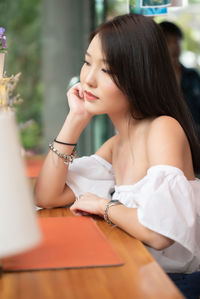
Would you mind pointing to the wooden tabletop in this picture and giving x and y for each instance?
(139, 277)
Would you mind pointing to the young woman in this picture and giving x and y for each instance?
(148, 167)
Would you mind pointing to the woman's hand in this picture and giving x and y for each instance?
(89, 203)
(76, 102)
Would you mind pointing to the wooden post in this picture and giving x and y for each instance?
(64, 44)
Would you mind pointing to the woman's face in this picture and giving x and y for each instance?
(101, 94)
(174, 47)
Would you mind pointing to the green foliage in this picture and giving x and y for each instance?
(22, 21)
(29, 135)
(194, 1)
(116, 7)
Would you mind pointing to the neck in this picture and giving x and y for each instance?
(124, 124)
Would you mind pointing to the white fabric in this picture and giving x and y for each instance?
(91, 174)
(167, 203)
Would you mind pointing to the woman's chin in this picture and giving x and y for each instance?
(92, 108)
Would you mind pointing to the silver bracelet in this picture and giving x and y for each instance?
(111, 203)
(67, 158)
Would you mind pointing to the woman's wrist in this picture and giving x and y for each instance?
(102, 205)
(71, 129)
(79, 119)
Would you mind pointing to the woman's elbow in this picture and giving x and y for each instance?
(48, 200)
(41, 200)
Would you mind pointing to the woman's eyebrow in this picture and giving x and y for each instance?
(88, 54)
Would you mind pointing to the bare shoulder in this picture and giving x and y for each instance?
(105, 151)
(166, 125)
(167, 142)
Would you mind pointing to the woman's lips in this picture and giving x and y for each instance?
(89, 96)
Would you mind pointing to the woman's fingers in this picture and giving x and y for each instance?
(87, 203)
(76, 90)
(78, 212)
(80, 90)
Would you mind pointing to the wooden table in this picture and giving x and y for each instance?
(140, 277)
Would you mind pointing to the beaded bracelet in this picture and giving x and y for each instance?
(111, 203)
(67, 158)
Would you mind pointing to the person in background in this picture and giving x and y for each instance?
(188, 78)
(142, 179)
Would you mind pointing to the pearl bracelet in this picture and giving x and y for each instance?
(67, 158)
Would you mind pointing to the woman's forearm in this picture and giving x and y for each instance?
(127, 219)
(124, 217)
(50, 185)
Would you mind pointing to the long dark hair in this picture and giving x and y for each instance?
(139, 63)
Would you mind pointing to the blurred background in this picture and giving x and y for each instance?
(46, 42)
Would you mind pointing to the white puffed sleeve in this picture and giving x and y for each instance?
(91, 174)
(169, 205)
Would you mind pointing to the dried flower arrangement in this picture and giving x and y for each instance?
(3, 46)
(8, 84)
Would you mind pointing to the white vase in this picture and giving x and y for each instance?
(19, 229)
(2, 58)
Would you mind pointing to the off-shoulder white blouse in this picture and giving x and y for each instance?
(166, 203)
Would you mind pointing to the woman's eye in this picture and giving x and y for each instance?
(105, 71)
(86, 62)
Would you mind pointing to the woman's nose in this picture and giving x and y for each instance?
(91, 79)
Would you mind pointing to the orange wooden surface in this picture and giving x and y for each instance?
(140, 277)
